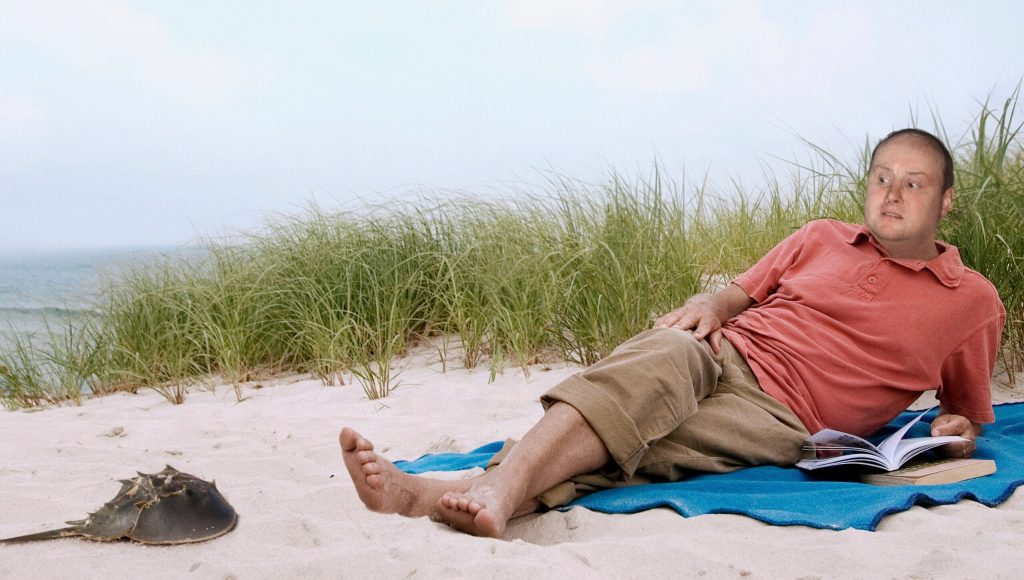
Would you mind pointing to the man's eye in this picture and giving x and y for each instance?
(883, 179)
(913, 185)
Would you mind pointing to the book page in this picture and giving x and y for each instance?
(914, 446)
(888, 447)
(829, 447)
(868, 459)
(898, 451)
(831, 439)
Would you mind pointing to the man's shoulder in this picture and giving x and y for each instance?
(831, 229)
(820, 236)
(982, 290)
(973, 291)
(835, 225)
(972, 284)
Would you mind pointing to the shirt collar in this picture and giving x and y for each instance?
(946, 267)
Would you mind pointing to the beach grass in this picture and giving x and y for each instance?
(987, 222)
(566, 271)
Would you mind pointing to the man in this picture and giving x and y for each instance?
(839, 325)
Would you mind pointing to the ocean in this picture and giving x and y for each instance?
(58, 287)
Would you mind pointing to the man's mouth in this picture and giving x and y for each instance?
(892, 215)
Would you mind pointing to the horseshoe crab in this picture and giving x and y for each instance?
(169, 507)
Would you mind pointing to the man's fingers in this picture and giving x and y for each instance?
(952, 425)
(704, 328)
(686, 321)
(680, 320)
(670, 319)
(958, 449)
(701, 320)
(942, 426)
(716, 341)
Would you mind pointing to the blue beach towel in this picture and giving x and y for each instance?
(791, 496)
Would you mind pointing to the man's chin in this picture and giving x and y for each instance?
(879, 231)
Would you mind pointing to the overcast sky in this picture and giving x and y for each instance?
(129, 122)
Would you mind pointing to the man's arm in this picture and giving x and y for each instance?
(949, 424)
(705, 314)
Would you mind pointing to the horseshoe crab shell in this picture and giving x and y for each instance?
(169, 507)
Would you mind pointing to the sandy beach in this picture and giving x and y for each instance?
(276, 458)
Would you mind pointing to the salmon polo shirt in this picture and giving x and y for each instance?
(847, 337)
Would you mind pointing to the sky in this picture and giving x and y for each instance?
(128, 123)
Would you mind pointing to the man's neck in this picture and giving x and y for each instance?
(920, 252)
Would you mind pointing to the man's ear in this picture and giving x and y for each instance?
(947, 201)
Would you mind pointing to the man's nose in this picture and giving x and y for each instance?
(894, 194)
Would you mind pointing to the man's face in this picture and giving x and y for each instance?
(905, 200)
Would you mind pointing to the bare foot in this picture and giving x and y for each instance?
(384, 488)
(481, 511)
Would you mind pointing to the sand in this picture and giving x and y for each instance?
(275, 457)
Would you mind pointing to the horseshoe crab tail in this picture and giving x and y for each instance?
(47, 535)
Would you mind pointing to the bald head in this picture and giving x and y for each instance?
(931, 142)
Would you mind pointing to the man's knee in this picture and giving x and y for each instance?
(668, 340)
(672, 357)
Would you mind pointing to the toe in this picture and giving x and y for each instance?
(351, 440)
(347, 439)
(364, 444)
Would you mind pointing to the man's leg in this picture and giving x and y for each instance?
(561, 445)
(645, 389)
(558, 447)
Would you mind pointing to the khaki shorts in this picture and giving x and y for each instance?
(665, 406)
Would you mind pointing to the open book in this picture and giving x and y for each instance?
(827, 448)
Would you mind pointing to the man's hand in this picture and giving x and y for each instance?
(948, 424)
(705, 314)
(700, 314)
